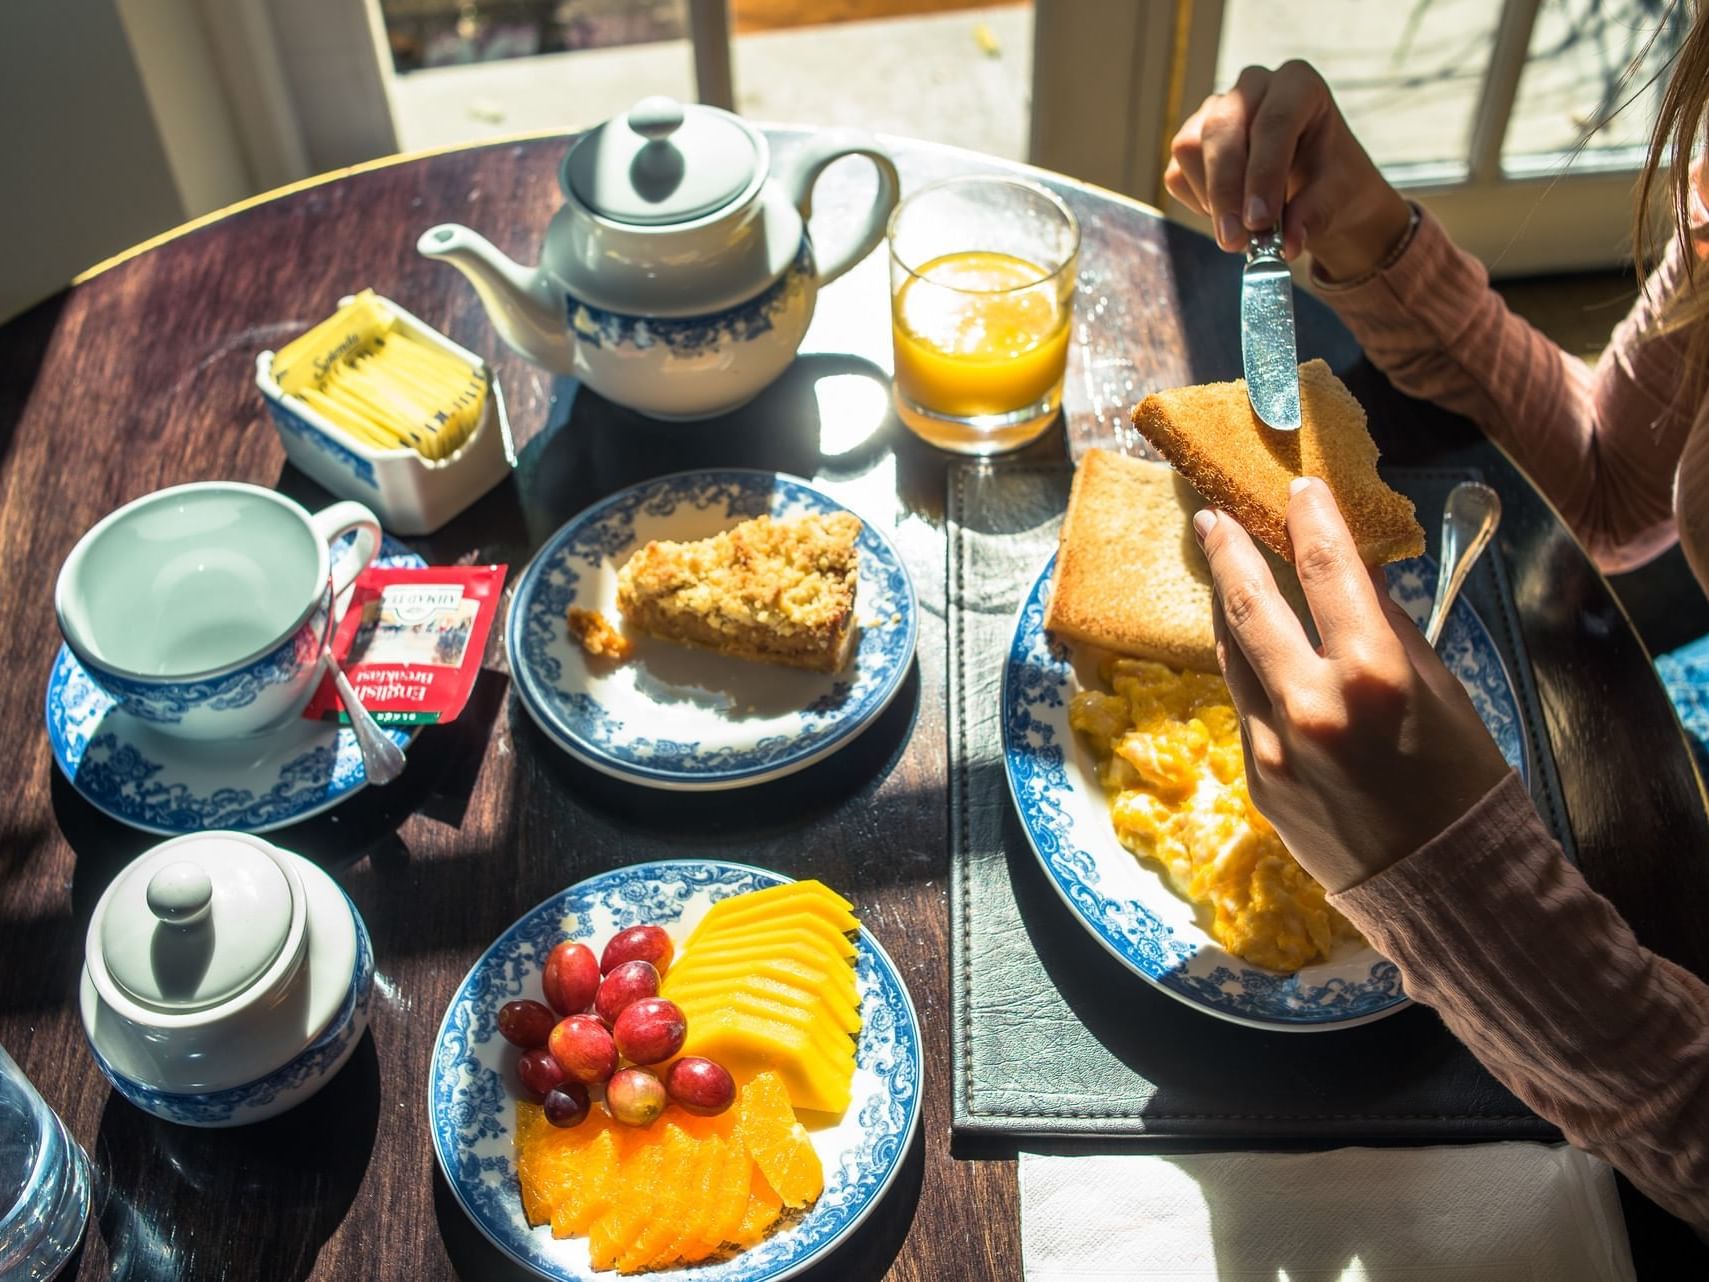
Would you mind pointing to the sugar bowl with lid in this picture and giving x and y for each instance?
(225, 980)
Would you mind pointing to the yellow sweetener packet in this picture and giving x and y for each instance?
(377, 382)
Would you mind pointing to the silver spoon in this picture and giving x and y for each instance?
(382, 759)
(1469, 518)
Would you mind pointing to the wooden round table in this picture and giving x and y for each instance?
(142, 376)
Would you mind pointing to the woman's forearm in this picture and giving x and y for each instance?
(1545, 983)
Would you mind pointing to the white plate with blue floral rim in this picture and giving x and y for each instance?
(1126, 905)
(676, 716)
(128, 770)
(471, 1089)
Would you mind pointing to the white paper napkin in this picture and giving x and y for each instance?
(1476, 1213)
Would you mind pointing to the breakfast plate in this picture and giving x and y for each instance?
(1126, 905)
(130, 771)
(472, 1104)
(681, 718)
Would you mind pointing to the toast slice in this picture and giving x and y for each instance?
(1129, 574)
(1214, 439)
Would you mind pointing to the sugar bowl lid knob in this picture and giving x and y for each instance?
(180, 893)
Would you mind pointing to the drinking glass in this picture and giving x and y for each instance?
(44, 1182)
(982, 277)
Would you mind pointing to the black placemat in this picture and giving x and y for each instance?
(1051, 1035)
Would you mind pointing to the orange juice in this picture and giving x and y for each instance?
(980, 334)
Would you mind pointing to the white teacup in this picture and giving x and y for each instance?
(204, 609)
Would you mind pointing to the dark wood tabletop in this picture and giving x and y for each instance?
(142, 376)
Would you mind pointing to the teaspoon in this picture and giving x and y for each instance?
(1469, 518)
(382, 759)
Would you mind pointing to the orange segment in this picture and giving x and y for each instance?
(610, 1235)
(664, 1200)
(761, 1212)
(731, 1196)
(530, 1122)
(590, 1186)
(777, 1142)
(715, 1150)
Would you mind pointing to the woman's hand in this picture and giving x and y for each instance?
(1363, 749)
(1277, 142)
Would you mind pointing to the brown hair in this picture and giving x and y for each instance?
(1681, 121)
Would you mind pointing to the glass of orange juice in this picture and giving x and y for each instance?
(982, 276)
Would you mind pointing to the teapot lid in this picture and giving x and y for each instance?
(662, 163)
(194, 923)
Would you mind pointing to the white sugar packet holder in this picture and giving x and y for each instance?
(1469, 1213)
(409, 493)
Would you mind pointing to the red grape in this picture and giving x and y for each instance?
(630, 982)
(650, 1030)
(635, 1097)
(700, 1086)
(539, 1073)
(571, 978)
(638, 943)
(567, 1105)
(526, 1024)
(583, 1048)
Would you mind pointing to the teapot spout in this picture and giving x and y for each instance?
(520, 302)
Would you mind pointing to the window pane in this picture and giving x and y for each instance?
(448, 33)
(1591, 62)
(938, 69)
(472, 71)
(1407, 75)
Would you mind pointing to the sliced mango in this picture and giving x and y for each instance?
(817, 976)
(801, 919)
(735, 914)
(839, 1012)
(748, 1046)
(834, 1045)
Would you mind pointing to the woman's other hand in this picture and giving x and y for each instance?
(1277, 141)
(1363, 749)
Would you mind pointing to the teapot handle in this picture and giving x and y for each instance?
(805, 171)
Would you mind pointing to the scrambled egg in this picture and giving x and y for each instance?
(1168, 750)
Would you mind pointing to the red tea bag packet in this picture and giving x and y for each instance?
(411, 642)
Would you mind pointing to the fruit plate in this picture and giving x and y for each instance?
(678, 717)
(472, 1093)
(1126, 905)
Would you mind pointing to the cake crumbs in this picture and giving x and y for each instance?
(597, 636)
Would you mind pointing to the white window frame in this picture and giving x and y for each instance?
(1119, 79)
(1112, 81)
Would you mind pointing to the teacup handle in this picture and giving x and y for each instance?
(333, 523)
(805, 171)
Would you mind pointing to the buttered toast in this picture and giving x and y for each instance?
(1129, 574)
(1212, 436)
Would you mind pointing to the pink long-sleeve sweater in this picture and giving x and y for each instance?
(1590, 1029)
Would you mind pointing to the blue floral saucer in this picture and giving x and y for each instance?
(1126, 905)
(681, 718)
(127, 769)
(471, 1090)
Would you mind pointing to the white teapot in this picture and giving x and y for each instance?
(678, 278)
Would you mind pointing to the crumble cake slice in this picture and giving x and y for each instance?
(773, 591)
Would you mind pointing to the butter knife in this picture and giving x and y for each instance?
(1267, 347)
